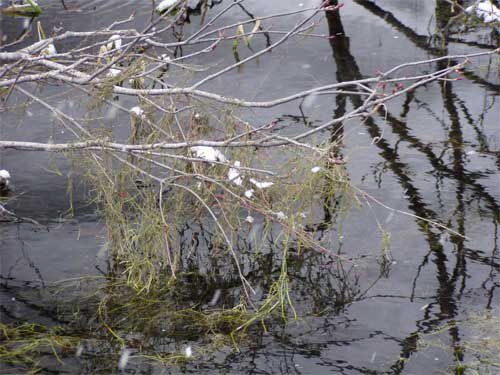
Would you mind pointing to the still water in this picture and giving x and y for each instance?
(434, 155)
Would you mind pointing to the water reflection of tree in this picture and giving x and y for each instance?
(452, 283)
(424, 42)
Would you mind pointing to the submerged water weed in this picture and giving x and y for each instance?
(21, 346)
(478, 352)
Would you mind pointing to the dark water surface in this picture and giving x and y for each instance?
(436, 155)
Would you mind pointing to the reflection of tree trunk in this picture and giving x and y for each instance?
(347, 69)
(456, 140)
(422, 41)
(444, 12)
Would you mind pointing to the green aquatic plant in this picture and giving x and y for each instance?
(22, 345)
(29, 8)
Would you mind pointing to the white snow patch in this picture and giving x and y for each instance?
(114, 42)
(164, 5)
(4, 174)
(261, 185)
(281, 215)
(208, 153)
(315, 169)
(233, 174)
(49, 50)
(113, 72)
(485, 10)
(188, 351)
(4, 178)
(137, 111)
(249, 193)
(249, 219)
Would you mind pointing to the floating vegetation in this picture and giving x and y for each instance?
(22, 345)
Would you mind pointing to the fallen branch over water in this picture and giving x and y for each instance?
(174, 145)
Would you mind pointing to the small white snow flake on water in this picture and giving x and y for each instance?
(374, 355)
(188, 351)
(103, 251)
(215, 298)
(249, 219)
(443, 239)
(124, 357)
(424, 307)
(309, 100)
(79, 350)
(315, 169)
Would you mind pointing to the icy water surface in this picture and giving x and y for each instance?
(434, 155)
